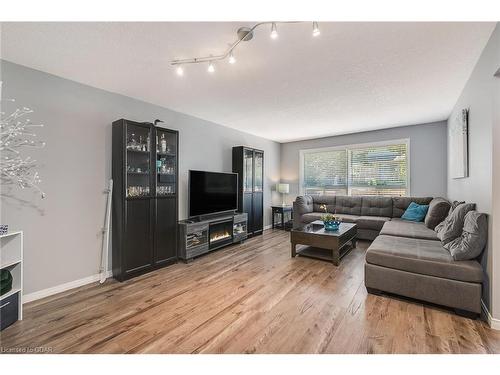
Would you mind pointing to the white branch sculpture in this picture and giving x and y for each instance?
(16, 134)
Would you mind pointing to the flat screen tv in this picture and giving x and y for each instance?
(212, 192)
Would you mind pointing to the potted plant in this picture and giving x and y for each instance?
(329, 220)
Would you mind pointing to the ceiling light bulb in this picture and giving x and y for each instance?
(179, 70)
(211, 67)
(232, 59)
(316, 31)
(274, 32)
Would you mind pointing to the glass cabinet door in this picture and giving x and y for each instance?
(138, 163)
(259, 171)
(166, 162)
(247, 170)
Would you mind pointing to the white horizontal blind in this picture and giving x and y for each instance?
(379, 170)
(358, 170)
(325, 172)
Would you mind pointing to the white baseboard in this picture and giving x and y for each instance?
(63, 287)
(268, 226)
(492, 322)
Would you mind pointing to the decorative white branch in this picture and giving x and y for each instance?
(16, 134)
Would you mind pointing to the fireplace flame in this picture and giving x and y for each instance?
(220, 236)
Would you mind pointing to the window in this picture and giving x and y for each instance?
(369, 169)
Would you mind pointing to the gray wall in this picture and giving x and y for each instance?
(428, 148)
(479, 187)
(62, 232)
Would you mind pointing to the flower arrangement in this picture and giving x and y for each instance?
(329, 220)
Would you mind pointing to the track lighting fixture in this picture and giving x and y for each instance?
(244, 34)
(274, 31)
(316, 31)
(231, 59)
(211, 67)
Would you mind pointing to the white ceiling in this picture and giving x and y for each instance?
(353, 77)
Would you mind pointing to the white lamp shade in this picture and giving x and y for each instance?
(283, 188)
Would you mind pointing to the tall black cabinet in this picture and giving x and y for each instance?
(145, 200)
(249, 164)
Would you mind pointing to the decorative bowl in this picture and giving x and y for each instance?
(331, 225)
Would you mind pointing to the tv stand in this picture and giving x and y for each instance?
(202, 235)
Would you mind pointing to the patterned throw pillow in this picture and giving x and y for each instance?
(454, 223)
(473, 239)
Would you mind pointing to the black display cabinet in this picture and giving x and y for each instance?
(145, 200)
(249, 164)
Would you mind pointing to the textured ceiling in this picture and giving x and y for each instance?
(353, 77)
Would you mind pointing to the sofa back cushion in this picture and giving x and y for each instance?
(304, 204)
(438, 210)
(473, 239)
(376, 206)
(400, 204)
(348, 205)
(319, 200)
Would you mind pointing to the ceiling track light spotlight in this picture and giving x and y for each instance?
(244, 34)
(211, 67)
(274, 31)
(231, 59)
(316, 31)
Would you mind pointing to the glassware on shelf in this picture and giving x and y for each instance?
(137, 191)
(163, 144)
(165, 190)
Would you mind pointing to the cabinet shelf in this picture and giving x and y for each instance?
(138, 151)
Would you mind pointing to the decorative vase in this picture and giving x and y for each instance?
(332, 225)
(4, 228)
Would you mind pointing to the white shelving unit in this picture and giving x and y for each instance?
(11, 257)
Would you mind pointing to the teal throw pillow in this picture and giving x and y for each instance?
(415, 212)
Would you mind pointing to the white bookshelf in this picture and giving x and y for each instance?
(11, 257)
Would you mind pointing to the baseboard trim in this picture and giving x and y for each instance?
(492, 322)
(62, 288)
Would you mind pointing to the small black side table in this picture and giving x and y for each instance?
(282, 210)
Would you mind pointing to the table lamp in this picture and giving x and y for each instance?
(283, 189)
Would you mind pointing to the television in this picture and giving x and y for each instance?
(212, 192)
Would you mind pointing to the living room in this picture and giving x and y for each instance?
(273, 187)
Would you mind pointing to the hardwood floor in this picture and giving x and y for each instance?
(249, 298)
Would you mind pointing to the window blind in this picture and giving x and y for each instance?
(378, 170)
(367, 170)
(325, 172)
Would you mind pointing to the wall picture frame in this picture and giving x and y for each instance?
(459, 145)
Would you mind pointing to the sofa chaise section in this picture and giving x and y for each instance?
(423, 269)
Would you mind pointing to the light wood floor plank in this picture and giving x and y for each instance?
(247, 298)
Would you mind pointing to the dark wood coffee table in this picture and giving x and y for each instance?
(319, 241)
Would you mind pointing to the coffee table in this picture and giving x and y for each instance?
(319, 241)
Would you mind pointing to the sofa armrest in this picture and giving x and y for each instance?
(302, 205)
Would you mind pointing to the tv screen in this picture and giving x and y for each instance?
(212, 192)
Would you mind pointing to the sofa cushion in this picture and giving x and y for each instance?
(372, 222)
(473, 239)
(304, 204)
(453, 225)
(402, 228)
(438, 210)
(376, 206)
(327, 200)
(311, 216)
(348, 205)
(423, 257)
(400, 204)
(346, 218)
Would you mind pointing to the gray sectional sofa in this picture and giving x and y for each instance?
(368, 212)
(405, 258)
